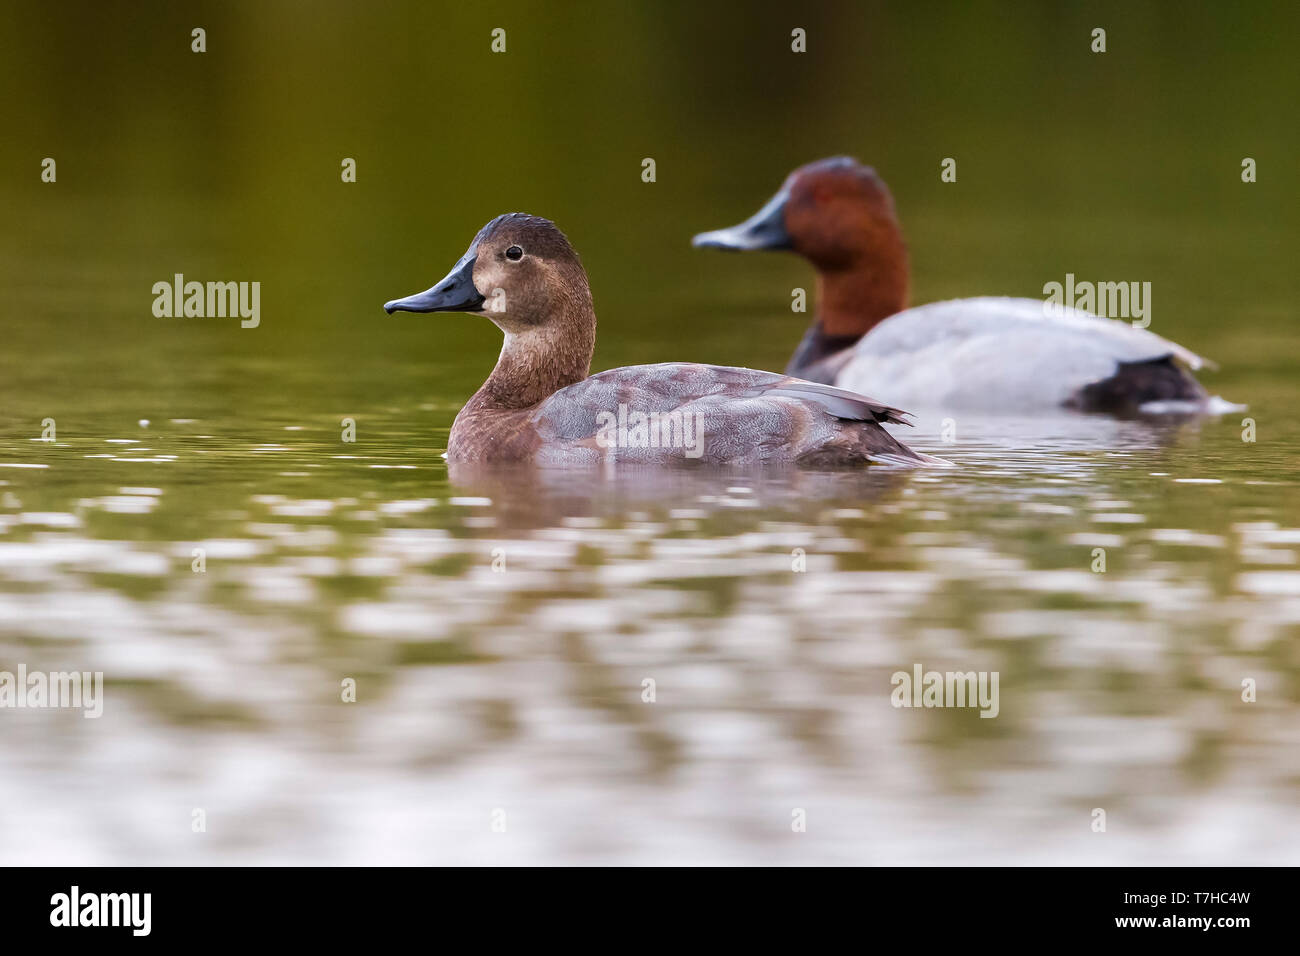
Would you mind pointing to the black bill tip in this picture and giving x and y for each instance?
(455, 293)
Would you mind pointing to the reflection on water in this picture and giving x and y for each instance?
(500, 628)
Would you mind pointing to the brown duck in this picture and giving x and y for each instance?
(541, 405)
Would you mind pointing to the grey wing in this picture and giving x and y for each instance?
(748, 414)
(840, 402)
(670, 385)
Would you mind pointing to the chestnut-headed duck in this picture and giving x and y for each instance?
(540, 404)
(965, 355)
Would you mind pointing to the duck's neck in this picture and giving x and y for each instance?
(537, 362)
(853, 300)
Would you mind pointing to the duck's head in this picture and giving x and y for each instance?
(834, 212)
(519, 271)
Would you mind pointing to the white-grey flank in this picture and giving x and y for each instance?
(957, 354)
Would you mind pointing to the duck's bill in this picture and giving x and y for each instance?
(455, 293)
(763, 230)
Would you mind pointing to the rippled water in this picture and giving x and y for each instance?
(500, 627)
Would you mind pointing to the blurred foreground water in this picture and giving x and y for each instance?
(499, 628)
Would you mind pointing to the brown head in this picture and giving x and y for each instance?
(521, 272)
(839, 215)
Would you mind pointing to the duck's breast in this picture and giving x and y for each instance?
(996, 354)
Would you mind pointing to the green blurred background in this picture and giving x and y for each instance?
(226, 166)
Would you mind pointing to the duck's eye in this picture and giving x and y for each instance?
(514, 253)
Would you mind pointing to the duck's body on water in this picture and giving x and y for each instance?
(965, 355)
(539, 405)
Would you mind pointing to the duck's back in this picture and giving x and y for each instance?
(1012, 355)
(674, 412)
